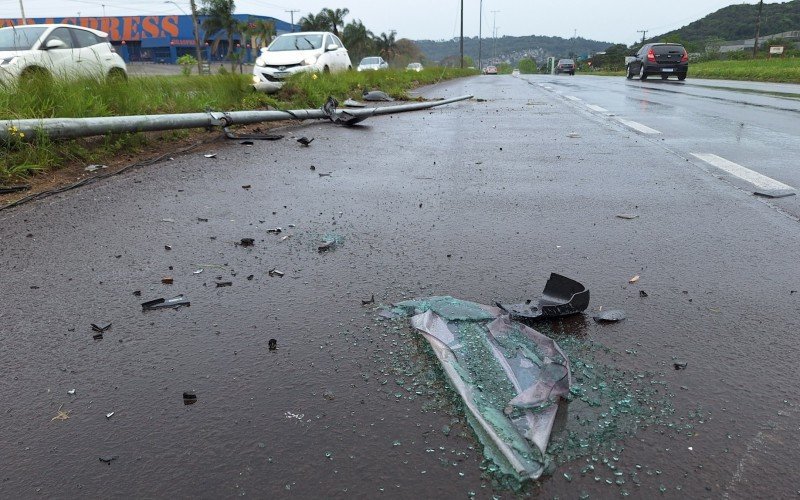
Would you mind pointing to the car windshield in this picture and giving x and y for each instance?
(299, 41)
(371, 60)
(21, 38)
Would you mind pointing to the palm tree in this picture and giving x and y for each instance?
(360, 42)
(387, 45)
(260, 33)
(311, 22)
(335, 18)
(219, 20)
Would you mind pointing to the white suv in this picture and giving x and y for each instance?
(293, 53)
(57, 50)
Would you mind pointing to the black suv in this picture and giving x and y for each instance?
(565, 66)
(663, 59)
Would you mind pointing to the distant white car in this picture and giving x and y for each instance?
(57, 50)
(414, 67)
(292, 53)
(374, 63)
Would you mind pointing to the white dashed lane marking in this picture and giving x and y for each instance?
(599, 109)
(638, 126)
(764, 186)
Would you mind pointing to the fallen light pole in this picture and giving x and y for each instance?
(70, 128)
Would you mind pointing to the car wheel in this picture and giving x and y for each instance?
(642, 73)
(117, 75)
(628, 72)
(35, 75)
(681, 77)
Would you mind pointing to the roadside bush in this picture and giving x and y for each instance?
(187, 61)
(527, 66)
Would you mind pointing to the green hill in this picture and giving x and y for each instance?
(511, 48)
(737, 22)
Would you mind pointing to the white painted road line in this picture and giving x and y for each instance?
(573, 98)
(638, 127)
(599, 109)
(765, 186)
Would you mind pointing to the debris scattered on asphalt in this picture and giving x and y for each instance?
(273, 344)
(326, 245)
(562, 296)
(328, 394)
(680, 365)
(61, 415)
(137, 293)
(284, 238)
(247, 143)
(325, 175)
(573, 135)
(274, 272)
(377, 95)
(97, 336)
(167, 280)
(634, 279)
(174, 302)
(351, 103)
(108, 458)
(254, 136)
(275, 230)
(101, 327)
(211, 155)
(340, 117)
(368, 302)
(109, 415)
(223, 284)
(247, 242)
(14, 189)
(189, 397)
(312, 167)
(509, 376)
(305, 141)
(246, 186)
(167, 247)
(642, 293)
(168, 220)
(610, 316)
(198, 271)
(93, 168)
(627, 216)
(250, 277)
(202, 219)
(71, 392)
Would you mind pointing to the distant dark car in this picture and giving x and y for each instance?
(565, 66)
(662, 59)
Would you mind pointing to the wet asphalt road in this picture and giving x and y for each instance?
(479, 200)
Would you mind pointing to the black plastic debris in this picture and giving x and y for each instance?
(273, 344)
(351, 103)
(223, 284)
(167, 247)
(251, 137)
(202, 219)
(246, 186)
(97, 336)
(14, 189)
(247, 143)
(680, 365)
(305, 141)
(377, 95)
(562, 296)
(610, 316)
(627, 216)
(274, 272)
(642, 293)
(368, 302)
(107, 459)
(325, 174)
(174, 303)
(276, 230)
(247, 242)
(137, 293)
(189, 397)
(101, 327)
(340, 117)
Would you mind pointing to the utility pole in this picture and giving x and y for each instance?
(462, 35)
(480, 37)
(22, 9)
(644, 33)
(494, 35)
(199, 54)
(291, 12)
(758, 28)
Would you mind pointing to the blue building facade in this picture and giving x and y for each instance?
(163, 39)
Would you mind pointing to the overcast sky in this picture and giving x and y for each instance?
(606, 20)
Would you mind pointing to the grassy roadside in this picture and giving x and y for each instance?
(759, 70)
(24, 156)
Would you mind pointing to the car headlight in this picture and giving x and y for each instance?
(260, 62)
(308, 61)
(256, 79)
(8, 61)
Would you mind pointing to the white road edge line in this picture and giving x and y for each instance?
(573, 98)
(597, 108)
(638, 126)
(766, 186)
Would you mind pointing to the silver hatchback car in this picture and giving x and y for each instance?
(57, 50)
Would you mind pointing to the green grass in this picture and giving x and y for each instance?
(783, 70)
(24, 156)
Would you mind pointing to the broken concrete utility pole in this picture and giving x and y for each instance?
(70, 128)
